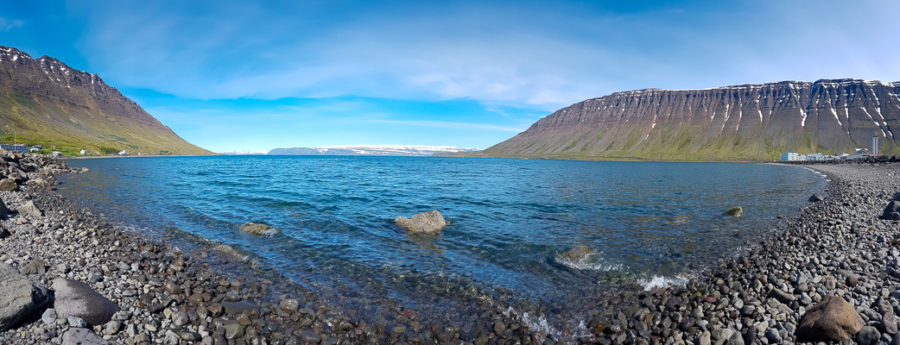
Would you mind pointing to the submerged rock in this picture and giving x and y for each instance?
(74, 298)
(19, 298)
(734, 212)
(257, 229)
(833, 319)
(427, 222)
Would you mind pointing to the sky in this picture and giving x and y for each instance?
(255, 75)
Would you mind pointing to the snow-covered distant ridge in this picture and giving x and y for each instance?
(368, 150)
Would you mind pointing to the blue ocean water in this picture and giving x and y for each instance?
(510, 220)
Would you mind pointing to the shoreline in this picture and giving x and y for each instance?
(289, 311)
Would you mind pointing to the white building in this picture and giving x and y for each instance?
(792, 156)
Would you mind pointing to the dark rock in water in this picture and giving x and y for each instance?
(82, 336)
(816, 198)
(577, 253)
(234, 308)
(868, 336)
(74, 298)
(4, 233)
(427, 222)
(8, 185)
(258, 229)
(833, 319)
(896, 196)
(19, 298)
(892, 211)
(734, 212)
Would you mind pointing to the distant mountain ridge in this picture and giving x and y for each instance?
(47, 102)
(743, 122)
(368, 150)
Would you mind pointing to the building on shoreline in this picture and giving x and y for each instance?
(18, 148)
(794, 156)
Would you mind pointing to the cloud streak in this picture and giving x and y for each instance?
(453, 125)
(7, 24)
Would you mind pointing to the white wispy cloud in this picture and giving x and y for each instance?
(7, 24)
(538, 55)
(451, 125)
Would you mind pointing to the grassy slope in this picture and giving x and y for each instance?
(72, 127)
(673, 145)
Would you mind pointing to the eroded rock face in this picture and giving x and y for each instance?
(74, 298)
(427, 222)
(834, 114)
(833, 319)
(19, 298)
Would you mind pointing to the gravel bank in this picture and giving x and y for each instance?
(838, 246)
(214, 295)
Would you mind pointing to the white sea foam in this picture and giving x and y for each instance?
(659, 282)
(592, 261)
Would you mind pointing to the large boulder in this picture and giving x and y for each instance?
(74, 298)
(892, 211)
(19, 298)
(29, 209)
(833, 319)
(427, 222)
(258, 229)
(8, 185)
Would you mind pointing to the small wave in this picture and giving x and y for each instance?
(536, 323)
(659, 282)
(581, 258)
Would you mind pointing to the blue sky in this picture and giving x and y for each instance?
(247, 75)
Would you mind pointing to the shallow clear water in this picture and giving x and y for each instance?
(509, 220)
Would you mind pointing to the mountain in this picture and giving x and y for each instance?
(368, 150)
(744, 122)
(44, 101)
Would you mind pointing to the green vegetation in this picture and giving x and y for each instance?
(72, 127)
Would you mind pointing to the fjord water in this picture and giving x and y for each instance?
(510, 221)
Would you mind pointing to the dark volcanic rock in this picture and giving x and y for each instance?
(891, 211)
(74, 298)
(19, 298)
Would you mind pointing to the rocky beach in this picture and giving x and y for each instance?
(70, 277)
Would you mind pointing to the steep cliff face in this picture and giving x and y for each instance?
(47, 102)
(745, 122)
